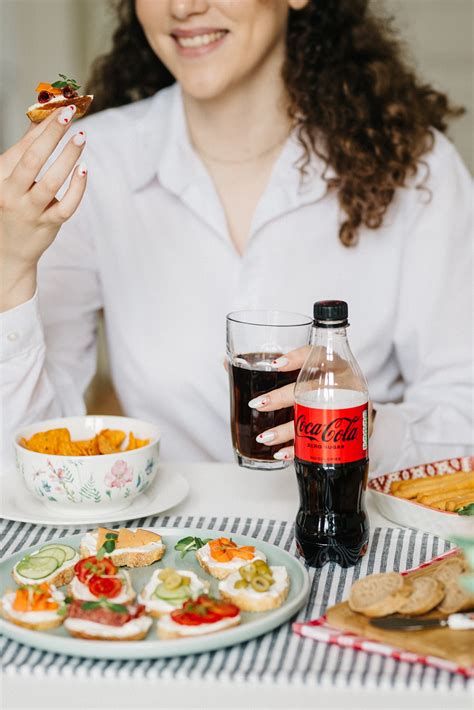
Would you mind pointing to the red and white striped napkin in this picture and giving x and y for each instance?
(320, 630)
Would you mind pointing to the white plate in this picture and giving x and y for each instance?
(167, 490)
(414, 515)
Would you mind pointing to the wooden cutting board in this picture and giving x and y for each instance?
(455, 646)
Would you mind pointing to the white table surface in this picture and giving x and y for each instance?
(220, 489)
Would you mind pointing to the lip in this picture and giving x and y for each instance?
(191, 52)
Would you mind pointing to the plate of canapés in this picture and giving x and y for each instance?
(131, 593)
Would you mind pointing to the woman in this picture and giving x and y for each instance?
(295, 158)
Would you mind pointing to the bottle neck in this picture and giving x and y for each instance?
(332, 339)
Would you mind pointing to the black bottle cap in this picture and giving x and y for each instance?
(331, 314)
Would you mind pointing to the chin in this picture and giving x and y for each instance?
(202, 87)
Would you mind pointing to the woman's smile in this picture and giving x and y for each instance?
(198, 41)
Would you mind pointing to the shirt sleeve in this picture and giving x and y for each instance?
(432, 338)
(48, 344)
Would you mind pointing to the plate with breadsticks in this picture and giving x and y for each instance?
(133, 593)
(437, 497)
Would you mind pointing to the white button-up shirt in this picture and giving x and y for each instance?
(150, 245)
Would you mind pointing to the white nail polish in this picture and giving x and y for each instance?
(258, 402)
(79, 138)
(280, 361)
(82, 169)
(66, 115)
(265, 437)
(281, 456)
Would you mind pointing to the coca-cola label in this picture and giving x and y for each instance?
(334, 436)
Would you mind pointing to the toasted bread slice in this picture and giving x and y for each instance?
(213, 570)
(90, 637)
(246, 602)
(221, 570)
(37, 113)
(449, 570)
(426, 594)
(165, 633)
(132, 558)
(40, 626)
(455, 598)
(61, 577)
(379, 594)
(108, 633)
(134, 554)
(247, 599)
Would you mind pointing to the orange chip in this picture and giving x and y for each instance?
(134, 443)
(88, 447)
(58, 442)
(110, 440)
(48, 442)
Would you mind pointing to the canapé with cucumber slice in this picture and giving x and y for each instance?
(52, 563)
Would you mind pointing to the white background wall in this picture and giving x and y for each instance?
(40, 38)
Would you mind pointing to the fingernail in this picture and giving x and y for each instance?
(79, 138)
(281, 455)
(258, 402)
(280, 362)
(66, 114)
(82, 169)
(265, 437)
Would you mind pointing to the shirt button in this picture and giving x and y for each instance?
(12, 337)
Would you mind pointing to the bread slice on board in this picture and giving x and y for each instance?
(426, 594)
(455, 598)
(379, 594)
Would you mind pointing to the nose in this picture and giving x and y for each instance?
(182, 9)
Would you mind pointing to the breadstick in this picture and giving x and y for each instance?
(460, 502)
(440, 505)
(438, 484)
(433, 479)
(436, 497)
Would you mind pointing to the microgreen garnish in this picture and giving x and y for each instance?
(72, 83)
(190, 544)
(105, 604)
(108, 545)
(466, 510)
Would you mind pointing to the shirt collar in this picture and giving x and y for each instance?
(165, 152)
(164, 147)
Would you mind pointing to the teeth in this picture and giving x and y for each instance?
(200, 40)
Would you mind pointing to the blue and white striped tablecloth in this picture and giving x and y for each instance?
(279, 656)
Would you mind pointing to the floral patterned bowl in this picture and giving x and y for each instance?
(105, 483)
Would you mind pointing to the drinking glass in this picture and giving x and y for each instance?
(254, 340)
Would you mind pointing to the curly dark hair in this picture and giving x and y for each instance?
(353, 98)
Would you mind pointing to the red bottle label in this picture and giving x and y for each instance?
(335, 436)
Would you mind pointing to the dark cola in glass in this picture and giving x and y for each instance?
(255, 339)
(252, 376)
(331, 445)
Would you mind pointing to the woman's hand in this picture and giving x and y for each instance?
(30, 214)
(285, 397)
